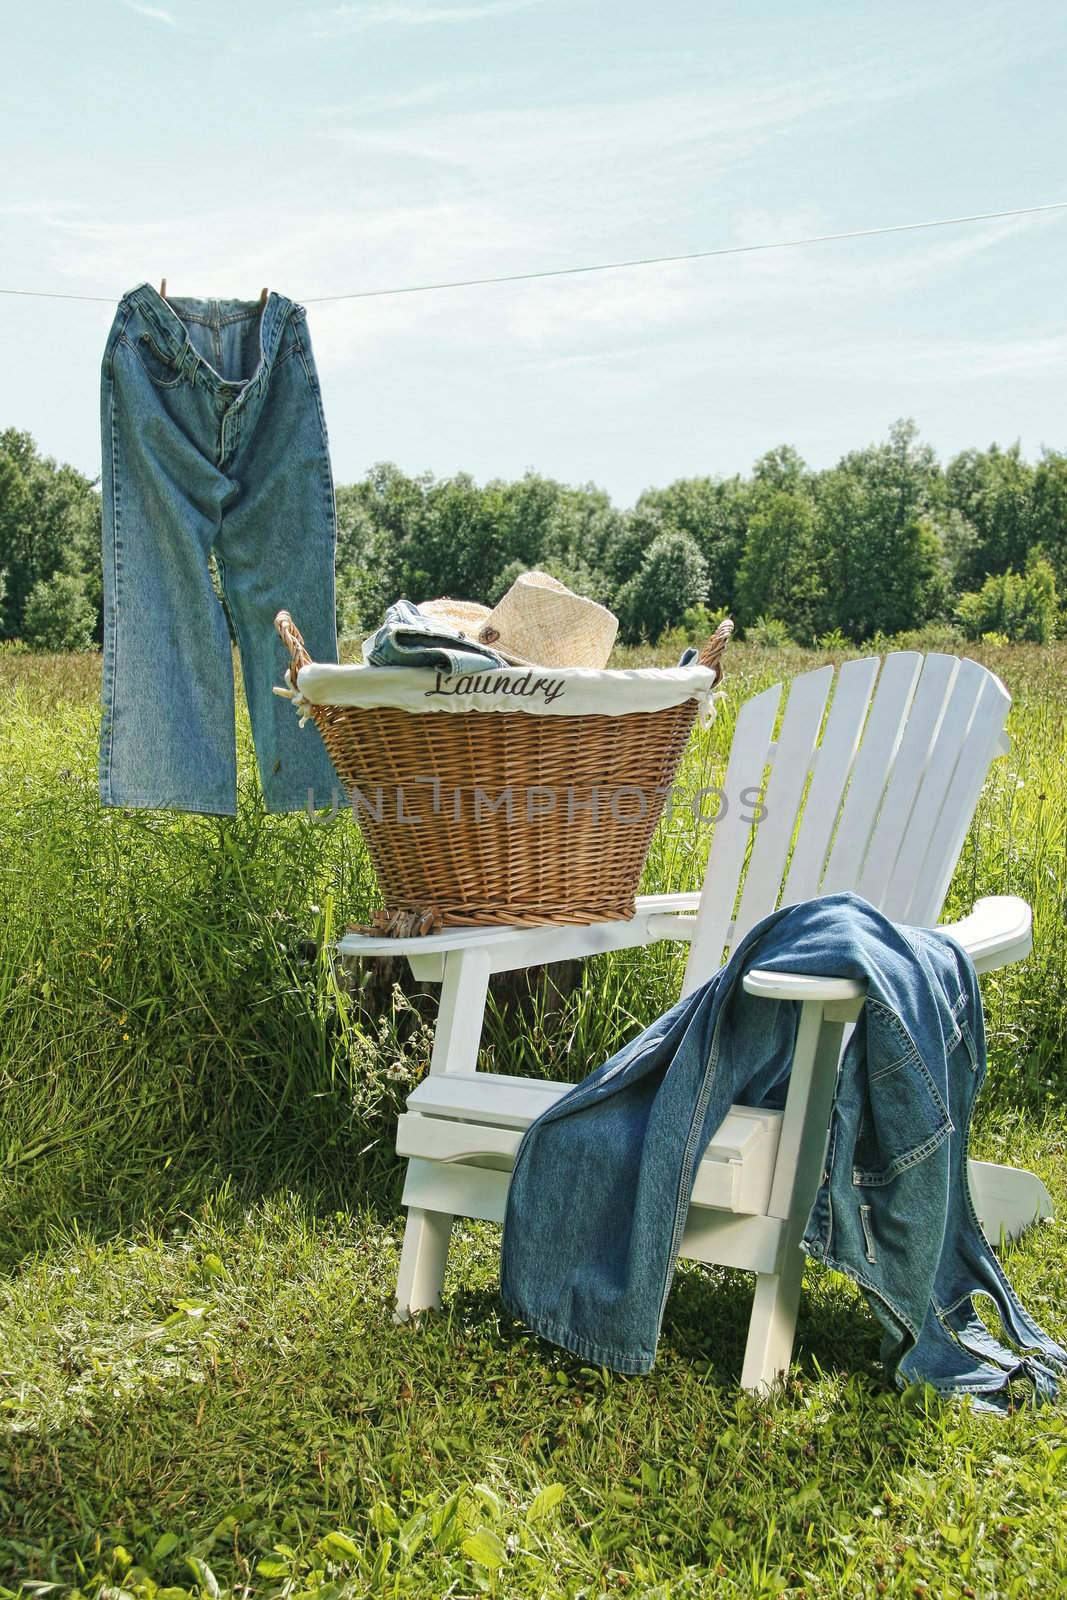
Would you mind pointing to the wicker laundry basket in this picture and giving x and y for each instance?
(464, 855)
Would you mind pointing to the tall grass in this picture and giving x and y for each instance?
(168, 1016)
(166, 1019)
(199, 1223)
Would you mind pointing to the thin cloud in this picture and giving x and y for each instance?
(155, 13)
(329, 113)
(695, 299)
(941, 361)
(405, 14)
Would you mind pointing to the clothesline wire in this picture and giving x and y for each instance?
(618, 266)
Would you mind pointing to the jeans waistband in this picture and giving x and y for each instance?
(171, 334)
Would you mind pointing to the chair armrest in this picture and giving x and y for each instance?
(511, 949)
(802, 986)
(997, 931)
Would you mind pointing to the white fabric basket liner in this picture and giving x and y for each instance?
(537, 691)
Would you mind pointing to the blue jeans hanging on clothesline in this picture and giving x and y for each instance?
(213, 440)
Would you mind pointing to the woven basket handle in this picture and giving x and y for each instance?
(291, 638)
(710, 654)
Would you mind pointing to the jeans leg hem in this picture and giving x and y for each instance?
(155, 802)
(276, 808)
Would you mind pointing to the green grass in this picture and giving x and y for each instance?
(200, 1384)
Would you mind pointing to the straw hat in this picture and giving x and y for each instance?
(466, 616)
(538, 623)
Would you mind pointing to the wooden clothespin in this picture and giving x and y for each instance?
(262, 298)
(162, 288)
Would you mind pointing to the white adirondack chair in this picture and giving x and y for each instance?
(894, 782)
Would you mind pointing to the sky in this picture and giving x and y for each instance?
(384, 143)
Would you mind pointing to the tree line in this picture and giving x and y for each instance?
(886, 541)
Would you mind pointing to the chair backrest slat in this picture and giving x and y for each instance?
(894, 781)
(833, 767)
(922, 882)
(793, 756)
(870, 771)
(730, 841)
(918, 742)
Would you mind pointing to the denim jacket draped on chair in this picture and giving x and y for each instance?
(602, 1180)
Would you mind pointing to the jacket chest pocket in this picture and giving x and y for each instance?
(961, 1017)
(903, 1116)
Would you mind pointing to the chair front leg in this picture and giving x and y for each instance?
(797, 1169)
(773, 1323)
(427, 1235)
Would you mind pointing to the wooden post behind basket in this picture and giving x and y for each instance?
(468, 868)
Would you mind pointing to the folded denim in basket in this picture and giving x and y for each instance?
(408, 638)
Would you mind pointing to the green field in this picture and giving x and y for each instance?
(201, 1389)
